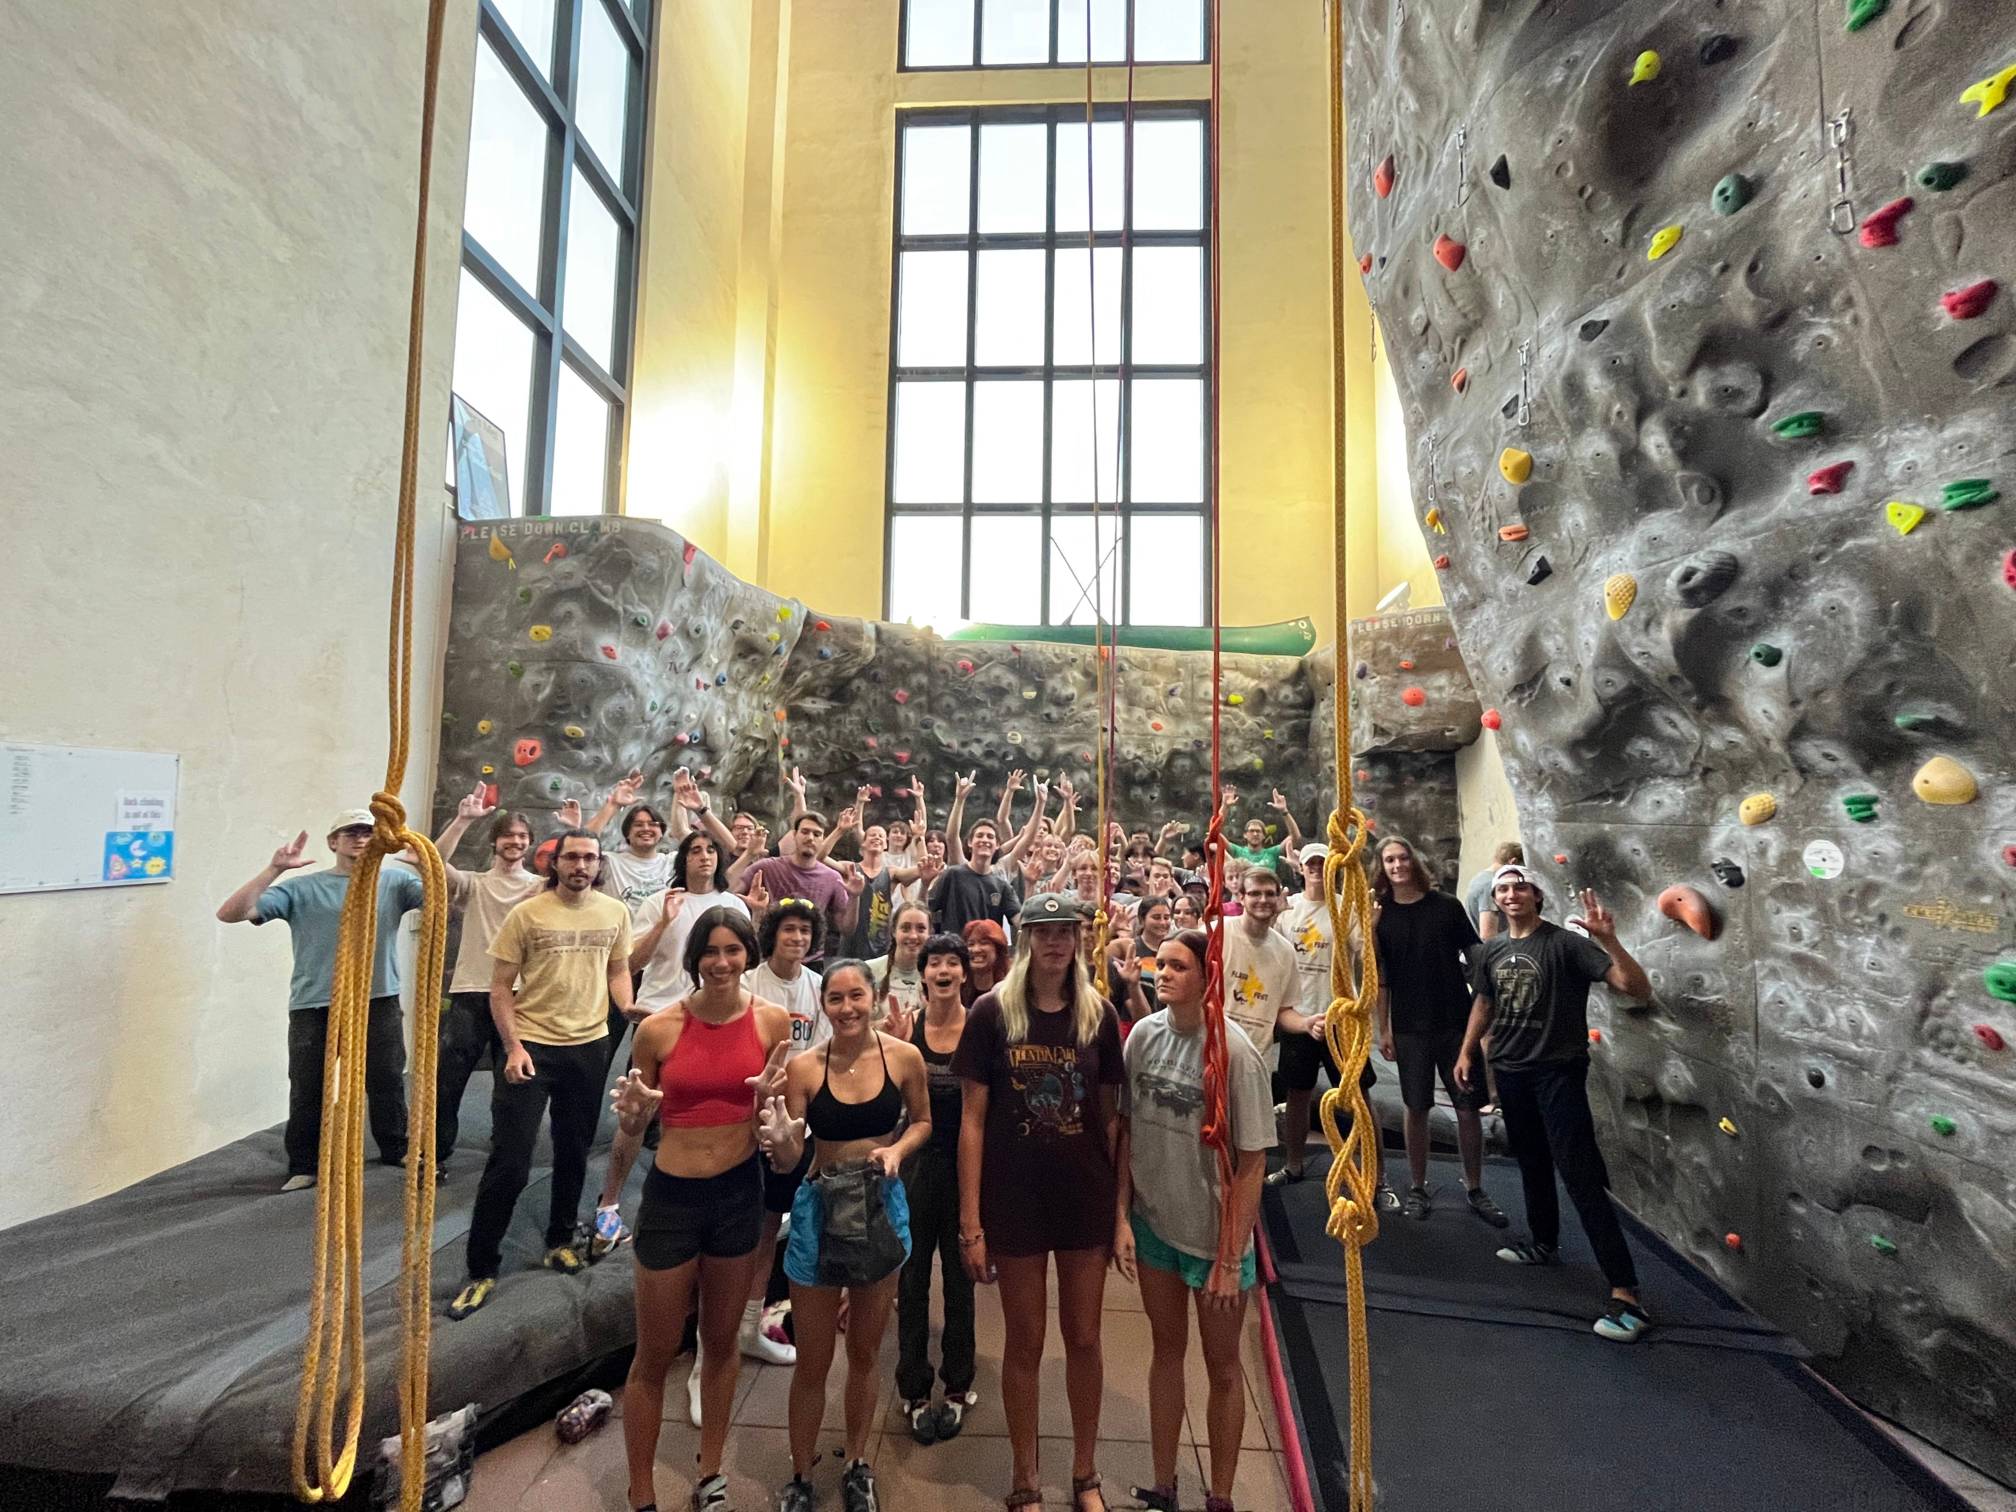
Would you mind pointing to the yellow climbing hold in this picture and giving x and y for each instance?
(783, 611)
(1433, 520)
(488, 769)
(1646, 68)
(1728, 1126)
(1758, 808)
(1664, 241)
(1516, 465)
(1619, 593)
(1235, 699)
(1990, 92)
(484, 727)
(499, 552)
(541, 632)
(1903, 517)
(573, 732)
(1943, 780)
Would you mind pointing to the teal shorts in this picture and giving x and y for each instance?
(1151, 1251)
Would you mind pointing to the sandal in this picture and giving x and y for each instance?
(1028, 1496)
(1080, 1484)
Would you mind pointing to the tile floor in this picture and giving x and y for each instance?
(537, 1473)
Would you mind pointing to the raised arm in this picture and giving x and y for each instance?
(847, 819)
(1280, 805)
(242, 907)
(1027, 834)
(758, 848)
(1005, 809)
(475, 805)
(1625, 974)
(620, 797)
(795, 782)
(1067, 812)
(955, 821)
(690, 804)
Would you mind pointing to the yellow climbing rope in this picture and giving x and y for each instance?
(1351, 1184)
(332, 1367)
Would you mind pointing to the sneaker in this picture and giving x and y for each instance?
(1482, 1205)
(1623, 1322)
(1418, 1204)
(565, 1259)
(472, 1296)
(711, 1495)
(776, 1321)
(297, 1183)
(609, 1232)
(952, 1413)
(1286, 1176)
(757, 1344)
(923, 1419)
(857, 1489)
(1386, 1199)
(1155, 1498)
(797, 1496)
(693, 1391)
(1530, 1254)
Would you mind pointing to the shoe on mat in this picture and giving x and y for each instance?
(565, 1259)
(797, 1496)
(1623, 1322)
(693, 1391)
(922, 1418)
(857, 1489)
(609, 1232)
(1286, 1176)
(1386, 1199)
(1155, 1498)
(1482, 1205)
(1530, 1254)
(757, 1344)
(297, 1183)
(475, 1292)
(1418, 1204)
(951, 1415)
(711, 1495)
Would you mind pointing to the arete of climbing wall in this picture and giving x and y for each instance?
(1701, 323)
(582, 648)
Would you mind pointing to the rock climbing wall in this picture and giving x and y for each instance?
(582, 648)
(1700, 323)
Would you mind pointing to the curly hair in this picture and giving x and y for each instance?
(790, 908)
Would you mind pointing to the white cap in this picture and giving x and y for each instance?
(1310, 853)
(1511, 873)
(349, 817)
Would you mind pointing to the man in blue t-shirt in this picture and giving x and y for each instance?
(313, 908)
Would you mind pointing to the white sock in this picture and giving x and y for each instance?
(752, 1316)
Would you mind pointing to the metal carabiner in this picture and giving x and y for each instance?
(1841, 214)
(1526, 382)
(1462, 166)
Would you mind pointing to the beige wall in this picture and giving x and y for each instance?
(208, 244)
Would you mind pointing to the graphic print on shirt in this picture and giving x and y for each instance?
(1052, 1089)
(1249, 993)
(1515, 980)
(595, 942)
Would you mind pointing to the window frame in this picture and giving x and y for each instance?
(1056, 13)
(568, 149)
(1048, 372)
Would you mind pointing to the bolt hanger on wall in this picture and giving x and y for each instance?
(1526, 382)
(1841, 215)
(1462, 166)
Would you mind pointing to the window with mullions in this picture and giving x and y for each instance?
(1047, 33)
(549, 237)
(1028, 356)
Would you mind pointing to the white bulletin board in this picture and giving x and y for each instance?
(75, 817)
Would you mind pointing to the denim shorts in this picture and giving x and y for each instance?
(1151, 1251)
(808, 1231)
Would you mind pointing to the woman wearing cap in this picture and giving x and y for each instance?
(1040, 1070)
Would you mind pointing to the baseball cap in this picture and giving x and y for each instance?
(348, 817)
(1313, 853)
(1049, 908)
(1510, 873)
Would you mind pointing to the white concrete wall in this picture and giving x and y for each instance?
(1484, 798)
(206, 231)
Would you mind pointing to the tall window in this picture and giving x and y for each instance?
(542, 331)
(1012, 334)
(1044, 33)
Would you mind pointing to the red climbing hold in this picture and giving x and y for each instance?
(1442, 562)
(555, 551)
(1155, 725)
(664, 628)
(1965, 304)
(821, 625)
(490, 794)
(1491, 719)
(1595, 1036)
(525, 752)
(609, 651)
(1733, 1241)
(2009, 568)
(1406, 666)
(691, 549)
(1382, 177)
(1460, 379)
(1880, 229)
(2009, 855)
(1365, 264)
(966, 667)
(1560, 858)
(1685, 905)
(1413, 697)
(1450, 253)
(902, 756)
(1828, 480)
(901, 695)
(1990, 1037)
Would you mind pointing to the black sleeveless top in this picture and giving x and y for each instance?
(943, 1086)
(831, 1119)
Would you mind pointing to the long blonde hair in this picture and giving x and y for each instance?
(1014, 995)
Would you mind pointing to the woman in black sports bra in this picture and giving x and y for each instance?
(850, 1224)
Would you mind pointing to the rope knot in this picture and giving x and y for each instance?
(389, 834)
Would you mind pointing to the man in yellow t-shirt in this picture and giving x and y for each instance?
(560, 959)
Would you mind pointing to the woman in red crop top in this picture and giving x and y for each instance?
(701, 1065)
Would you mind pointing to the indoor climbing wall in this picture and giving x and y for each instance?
(582, 648)
(1700, 323)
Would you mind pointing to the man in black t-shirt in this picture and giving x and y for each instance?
(1532, 985)
(971, 891)
(1423, 1006)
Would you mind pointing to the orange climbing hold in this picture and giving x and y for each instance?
(1880, 229)
(1413, 697)
(1450, 253)
(1491, 719)
(1365, 262)
(1460, 379)
(1382, 177)
(1442, 564)
(1685, 905)
(1513, 532)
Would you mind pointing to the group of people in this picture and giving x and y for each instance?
(914, 1050)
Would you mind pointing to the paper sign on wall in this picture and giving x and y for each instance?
(145, 811)
(139, 856)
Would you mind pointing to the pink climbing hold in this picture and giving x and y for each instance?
(1492, 719)
(609, 651)
(1365, 264)
(689, 553)
(1413, 697)
(2009, 568)
(873, 742)
(1990, 1037)
(966, 667)
(902, 756)
(1967, 303)
(1450, 253)
(1880, 229)
(681, 738)
(664, 628)
(1828, 480)
(901, 695)
(1382, 177)
(1442, 562)
(2009, 855)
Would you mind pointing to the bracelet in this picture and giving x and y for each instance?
(968, 1241)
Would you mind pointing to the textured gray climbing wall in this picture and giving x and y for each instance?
(1728, 499)
(582, 648)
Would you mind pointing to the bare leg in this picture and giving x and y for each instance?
(722, 1284)
(1470, 1145)
(662, 1299)
(1025, 1305)
(868, 1319)
(766, 1257)
(1417, 1146)
(814, 1311)
(622, 1156)
(1225, 1417)
(1166, 1300)
(1295, 1127)
(1081, 1296)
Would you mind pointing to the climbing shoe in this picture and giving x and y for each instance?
(1482, 1205)
(952, 1413)
(711, 1495)
(1622, 1322)
(1530, 1254)
(1418, 1204)
(1155, 1498)
(857, 1489)
(297, 1184)
(565, 1259)
(609, 1232)
(797, 1496)
(923, 1420)
(472, 1296)
(1285, 1176)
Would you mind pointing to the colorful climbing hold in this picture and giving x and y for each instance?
(1514, 465)
(1365, 263)
(1903, 517)
(688, 554)
(1513, 532)
(573, 732)
(1990, 1037)
(1880, 229)
(1235, 699)
(1542, 570)
(1620, 591)
(1732, 1241)
(871, 742)
(1732, 192)
(554, 552)
(1413, 697)
(1828, 479)
(1685, 905)
(1758, 808)
(901, 695)
(1442, 562)
(773, 637)
(541, 632)
(1406, 664)
(1664, 240)
(499, 552)
(484, 727)
(1433, 520)
(1968, 493)
(2009, 567)
(1595, 1036)
(526, 752)
(1766, 655)
(965, 666)
(2000, 980)
(1881, 1245)
(664, 629)
(516, 669)
(825, 653)
(1155, 725)
(487, 769)
(1644, 68)
(1943, 781)
(1460, 379)
(1719, 48)
(1802, 426)
(1728, 1126)
(609, 651)
(1560, 858)
(2009, 855)
(1861, 807)
(1862, 12)
(1450, 253)
(1028, 693)
(1989, 93)
(1491, 719)
(1382, 177)
(1939, 177)
(1970, 302)
(1942, 1125)
(1914, 721)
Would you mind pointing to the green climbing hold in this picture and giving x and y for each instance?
(641, 620)
(2000, 980)
(1766, 655)
(516, 669)
(1881, 1245)
(1799, 427)
(1862, 12)
(1969, 493)
(447, 716)
(1941, 1124)
(524, 595)
(1913, 721)
(1732, 194)
(1939, 177)
(553, 786)
(1861, 806)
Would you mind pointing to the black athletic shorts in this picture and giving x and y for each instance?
(780, 1187)
(720, 1217)
(1303, 1056)
(1421, 1058)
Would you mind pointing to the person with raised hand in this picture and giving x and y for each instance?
(799, 873)
(970, 889)
(899, 975)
